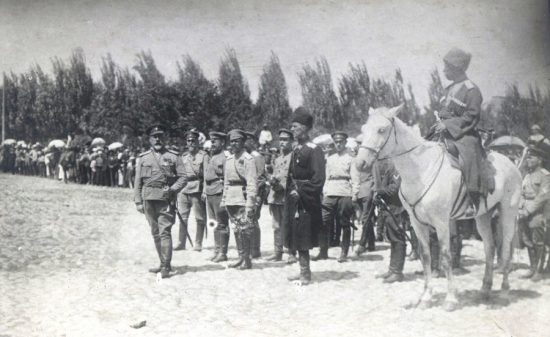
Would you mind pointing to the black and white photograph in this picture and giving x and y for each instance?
(275, 168)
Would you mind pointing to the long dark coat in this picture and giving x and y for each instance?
(302, 218)
(461, 114)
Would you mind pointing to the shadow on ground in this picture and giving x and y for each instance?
(325, 276)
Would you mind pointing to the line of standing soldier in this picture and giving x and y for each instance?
(230, 189)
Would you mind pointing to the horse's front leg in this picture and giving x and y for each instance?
(443, 233)
(423, 235)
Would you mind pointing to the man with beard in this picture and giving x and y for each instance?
(159, 177)
(213, 190)
(239, 196)
(191, 195)
(302, 215)
(278, 182)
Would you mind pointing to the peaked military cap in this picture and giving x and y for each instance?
(156, 129)
(287, 132)
(192, 134)
(538, 151)
(536, 127)
(217, 135)
(339, 134)
(458, 58)
(236, 134)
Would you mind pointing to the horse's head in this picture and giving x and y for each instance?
(378, 136)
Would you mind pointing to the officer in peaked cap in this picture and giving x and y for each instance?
(535, 197)
(214, 164)
(239, 196)
(340, 189)
(159, 177)
(191, 195)
(278, 182)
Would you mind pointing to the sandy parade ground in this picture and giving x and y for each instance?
(74, 260)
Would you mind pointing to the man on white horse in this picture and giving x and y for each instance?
(459, 118)
(457, 127)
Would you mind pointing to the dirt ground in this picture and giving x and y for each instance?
(74, 260)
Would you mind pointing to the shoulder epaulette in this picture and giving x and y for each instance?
(144, 153)
(174, 152)
(229, 155)
(255, 153)
(312, 145)
(469, 84)
(247, 155)
(545, 171)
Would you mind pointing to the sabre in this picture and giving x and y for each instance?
(181, 220)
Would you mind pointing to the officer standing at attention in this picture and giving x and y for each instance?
(159, 177)
(276, 198)
(191, 195)
(213, 189)
(239, 196)
(535, 193)
(302, 214)
(340, 190)
(251, 146)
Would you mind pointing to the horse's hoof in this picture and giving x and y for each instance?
(450, 306)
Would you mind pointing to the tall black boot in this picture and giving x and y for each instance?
(532, 263)
(166, 252)
(239, 243)
(223, 239)
(344, 245)
(397, 262)
(277, 245)
(246, 241)
(305, 272)
(200, 234)
(216, 245)
(256, 239)
(157, 269)
(182, 236)
(540, 252)
(323, 244)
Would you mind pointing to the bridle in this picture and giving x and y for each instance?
(377, 151)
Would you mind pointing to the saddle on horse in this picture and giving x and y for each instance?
(478, 176)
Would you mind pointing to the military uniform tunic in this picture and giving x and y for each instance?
(239, 186)
(276, 197)
(213, 188)
(159, 175)
(461, 113)
(534, 192)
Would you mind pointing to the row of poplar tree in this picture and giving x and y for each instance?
(42, 106)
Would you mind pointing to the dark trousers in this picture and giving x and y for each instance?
(335, 210)
(396, 236)
(367, 222)
(161, 216)
(219, 220)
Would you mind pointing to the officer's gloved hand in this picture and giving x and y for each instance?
(294, 195)
(139, 208)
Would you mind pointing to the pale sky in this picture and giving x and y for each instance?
(509, 39)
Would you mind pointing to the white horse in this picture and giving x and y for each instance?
(430, 189)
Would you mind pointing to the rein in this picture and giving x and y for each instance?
(427, 188)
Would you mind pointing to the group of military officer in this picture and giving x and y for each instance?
(313, 196)
(310, 195)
